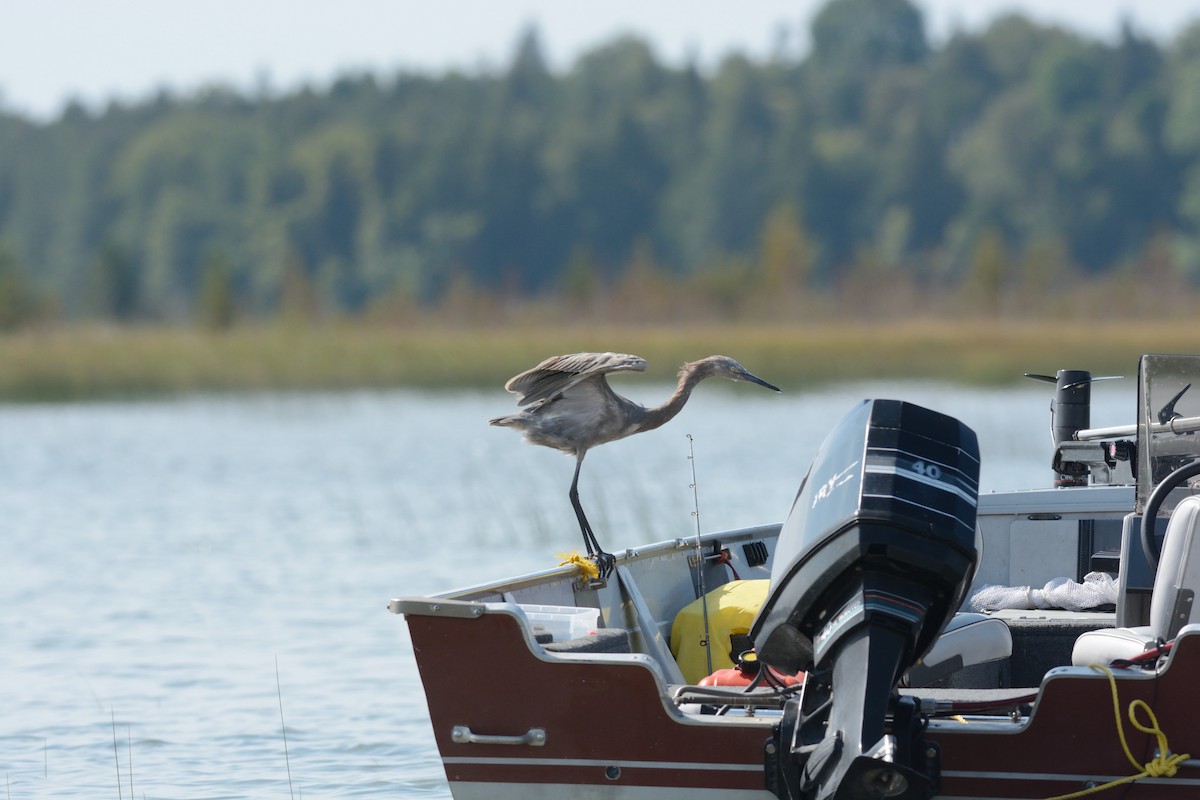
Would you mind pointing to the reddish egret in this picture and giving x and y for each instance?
(571, 407)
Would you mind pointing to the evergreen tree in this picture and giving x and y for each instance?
(217, 305)
(17, 306)
(886, 150)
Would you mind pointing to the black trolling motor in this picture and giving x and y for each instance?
(1070, 413)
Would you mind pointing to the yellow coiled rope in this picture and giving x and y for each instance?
(587, 567)
(1161, 766)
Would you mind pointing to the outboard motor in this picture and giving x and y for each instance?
(873, 560)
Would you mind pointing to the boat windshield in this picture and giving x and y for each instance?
(1168, 418)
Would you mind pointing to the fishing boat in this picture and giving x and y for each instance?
(838, 654)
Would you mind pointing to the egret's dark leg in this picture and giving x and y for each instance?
(604, 561)
(589, 538)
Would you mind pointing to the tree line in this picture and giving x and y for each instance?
(1002, 167)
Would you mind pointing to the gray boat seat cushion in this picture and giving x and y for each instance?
(603, 640)
(967, 640)
(1107, 645)
(1171, 605)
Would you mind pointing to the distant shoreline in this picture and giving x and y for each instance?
(80, 363)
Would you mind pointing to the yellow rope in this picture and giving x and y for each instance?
(1161, 765)
(586, 566)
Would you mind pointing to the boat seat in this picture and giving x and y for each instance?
(968, 641)
(1171, 605)
(603, 640)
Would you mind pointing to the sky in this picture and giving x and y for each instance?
(94, 51)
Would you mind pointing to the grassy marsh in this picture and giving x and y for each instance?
(84, 362)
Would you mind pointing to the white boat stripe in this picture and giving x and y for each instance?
(1051, 776)
(495, 790)
(586, 762)
(931, 510)
(962, 454)
(919, 478)
(701, 767)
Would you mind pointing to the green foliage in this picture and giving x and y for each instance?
(115, 293)
(18, 305)
(785, 254)
(854, 42)
(216, 309)
(985, 279)
(988, 166)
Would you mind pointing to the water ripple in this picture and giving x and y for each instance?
(159, 560)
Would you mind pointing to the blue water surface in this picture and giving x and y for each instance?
(176, 573)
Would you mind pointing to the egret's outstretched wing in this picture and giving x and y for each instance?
(558, 374)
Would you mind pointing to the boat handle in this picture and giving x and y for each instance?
(461, 734)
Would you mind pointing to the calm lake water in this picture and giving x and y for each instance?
(170, 571)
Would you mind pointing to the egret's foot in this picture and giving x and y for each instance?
(605, 562)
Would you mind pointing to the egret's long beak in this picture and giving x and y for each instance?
(755, 379)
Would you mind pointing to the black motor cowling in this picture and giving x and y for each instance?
(873, 560)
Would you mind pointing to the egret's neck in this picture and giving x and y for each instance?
(660, 415)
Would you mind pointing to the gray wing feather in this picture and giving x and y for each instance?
(557, 374)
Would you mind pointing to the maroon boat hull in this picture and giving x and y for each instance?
(608, 726)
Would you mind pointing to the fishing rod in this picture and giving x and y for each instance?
(707, 641)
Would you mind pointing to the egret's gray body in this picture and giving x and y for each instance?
(571, 407)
